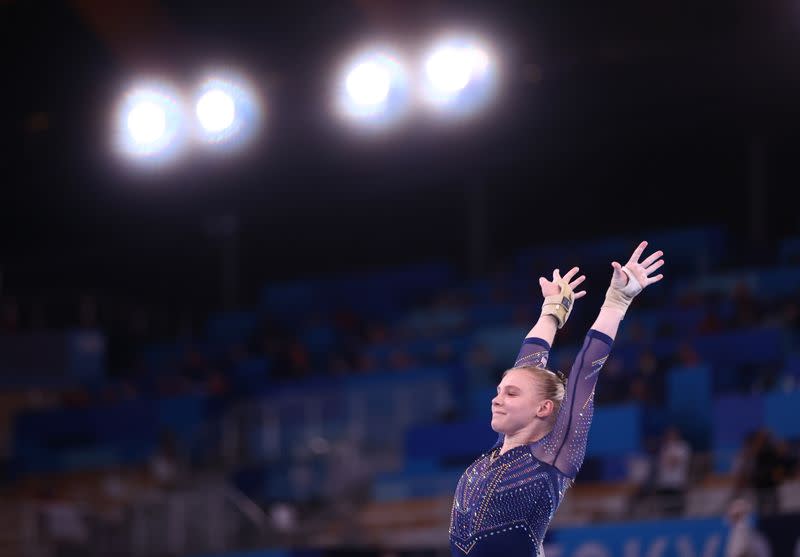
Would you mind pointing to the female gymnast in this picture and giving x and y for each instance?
(506, 499)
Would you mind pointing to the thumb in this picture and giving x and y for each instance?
(542, 281)
(619, 274)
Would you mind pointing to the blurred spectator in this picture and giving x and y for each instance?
(348, 473)
(64, 524)
(712, 320)
(235, 355)
(686, 356)
(366, 362)
(640, 470)
(164, 463)
(743, 464)
(744, 540)
(217, 384)
(400, 360)
(761, 466)
(787, 461)
(271, 348)
(111, 515)
(172, 385)
(299, 359)
(791, 314)
(283, 521)
(767, 472)
(347, 322)
(640, 475)
(651, 370)
(636, 333)
(377, 333)
(745, 306)
(339, 363)
(672, 472)
(443, 354)
(665, 329)
(640, 390)
(320, 338)
(690, 299)
(291, 359)
(78, 397)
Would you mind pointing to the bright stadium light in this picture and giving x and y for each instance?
(449, 69)
(372, 88)
(458, 75)
(216, 111)
(368, 84)
(149, 123)
(226, 110)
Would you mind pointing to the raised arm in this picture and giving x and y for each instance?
(565, 446)
(535, 348)
(626, 283)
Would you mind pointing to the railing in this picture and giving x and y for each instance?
(214, 518)
(294, 425)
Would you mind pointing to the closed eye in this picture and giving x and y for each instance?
(509, 392)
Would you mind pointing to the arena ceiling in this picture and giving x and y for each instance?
(613, 118)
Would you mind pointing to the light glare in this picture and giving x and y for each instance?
(147, 122)
(449, 69)
(373, 89)
(458, 76)
(227, 111)
(216, 110)
(150, 124)
(368, 83)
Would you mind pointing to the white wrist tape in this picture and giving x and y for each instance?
(621, 298)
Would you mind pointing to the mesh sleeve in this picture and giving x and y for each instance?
(534, 352)
(565, 446)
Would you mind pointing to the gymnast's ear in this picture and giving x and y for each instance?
(545, 409)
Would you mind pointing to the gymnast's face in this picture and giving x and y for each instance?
(517, 402)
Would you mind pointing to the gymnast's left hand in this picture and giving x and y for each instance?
(551, 287)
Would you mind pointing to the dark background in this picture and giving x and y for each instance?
(612, 118)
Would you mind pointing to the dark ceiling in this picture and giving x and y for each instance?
(612, 118)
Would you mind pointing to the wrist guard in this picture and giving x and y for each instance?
(559, 305)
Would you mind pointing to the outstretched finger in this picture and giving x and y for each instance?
(654, 266)
(571, 273)
(652, 257)
(556, 275)
(651, 280)
(637, 253)
(579, 295)
(577, 282)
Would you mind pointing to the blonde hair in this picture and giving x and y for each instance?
(551, 385)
